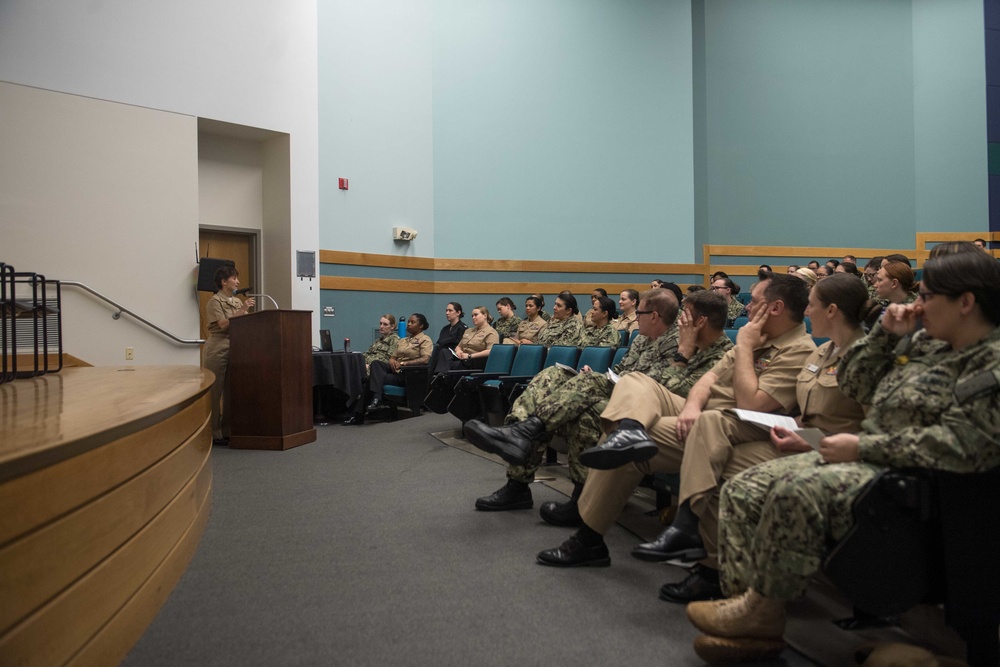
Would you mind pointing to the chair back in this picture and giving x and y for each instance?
(500, 359)
(561, 354)
(732, 335)
(809, 326)
(623, 338)
(740, 321)
(528, 360)
(597, 358)
(631, 336)
(619, 355)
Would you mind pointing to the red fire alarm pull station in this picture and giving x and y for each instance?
(343, 183)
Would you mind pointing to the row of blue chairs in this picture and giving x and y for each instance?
(489, 393)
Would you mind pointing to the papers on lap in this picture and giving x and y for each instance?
(768, 420)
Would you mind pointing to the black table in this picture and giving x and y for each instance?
(336, 375)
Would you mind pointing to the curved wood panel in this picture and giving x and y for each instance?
(105, 481)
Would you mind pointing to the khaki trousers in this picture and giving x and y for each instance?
(718, 447)
(217, 360)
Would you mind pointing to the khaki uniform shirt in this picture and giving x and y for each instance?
(821, 402)
(627, 322)
(777, 366)
(414, 349)
(528, 329)
(477, 340)
(221, 307)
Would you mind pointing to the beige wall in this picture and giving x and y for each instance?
(105, 194)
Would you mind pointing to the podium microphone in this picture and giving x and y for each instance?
(276, 307)
(245, 290)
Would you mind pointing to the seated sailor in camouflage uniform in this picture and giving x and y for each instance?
(935, 403)
(648, 425)
(597, 329)
(385, 344)
(564, 328)
(557, 401)
(507, 322)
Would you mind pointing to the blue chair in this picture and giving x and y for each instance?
(495, 393)
(623, 338)
(442, 388)
(744, 298)
(631, 336)
(598, 358)
(809, 326)
(740, 321)
(561, 354)
(413, 390)
(732, 335)
(819, 341)
(619, 355)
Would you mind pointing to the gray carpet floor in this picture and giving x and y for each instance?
(363, 548)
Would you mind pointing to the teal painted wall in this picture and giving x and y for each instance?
(618, 130)
(809, 122)
(560, 124)
(950, 133)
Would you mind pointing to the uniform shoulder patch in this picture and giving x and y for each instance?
(980, 384)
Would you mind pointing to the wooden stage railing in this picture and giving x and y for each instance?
(105, 487)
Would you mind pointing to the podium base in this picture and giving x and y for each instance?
(274, 442)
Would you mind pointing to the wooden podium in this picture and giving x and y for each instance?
(270, 380)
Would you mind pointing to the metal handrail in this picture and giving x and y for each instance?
(123, 309)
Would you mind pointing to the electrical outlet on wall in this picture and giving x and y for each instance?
(129, 353)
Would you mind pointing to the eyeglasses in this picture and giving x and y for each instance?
(644, 312)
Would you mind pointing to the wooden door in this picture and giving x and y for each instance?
(237, 246)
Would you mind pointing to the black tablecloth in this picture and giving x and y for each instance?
(345, 372)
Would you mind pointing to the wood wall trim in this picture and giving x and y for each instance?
(500, 289)
(502, 265)
(817, 253)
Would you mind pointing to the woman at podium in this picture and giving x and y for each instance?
(222, 307)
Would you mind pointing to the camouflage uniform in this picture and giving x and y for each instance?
(734, 310)
(507, 328)
(932, 407)
(382, 348)
(606, 336)
(572, 405)
(565, 332)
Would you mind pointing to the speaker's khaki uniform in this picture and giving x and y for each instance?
(216, 358)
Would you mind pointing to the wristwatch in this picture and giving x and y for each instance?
(680, 358)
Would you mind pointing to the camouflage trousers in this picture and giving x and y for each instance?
(778, 519)
(568, 405)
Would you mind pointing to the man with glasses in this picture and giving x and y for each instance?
(558, 402)
(734, 308)
(647, 425)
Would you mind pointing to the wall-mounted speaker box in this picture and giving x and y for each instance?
(206, 272)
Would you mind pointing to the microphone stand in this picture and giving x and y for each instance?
(276, 306)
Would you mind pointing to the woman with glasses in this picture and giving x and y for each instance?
(935, 403)
(734, 308)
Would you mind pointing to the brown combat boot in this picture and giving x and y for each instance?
(750, 615)
(728, 651)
